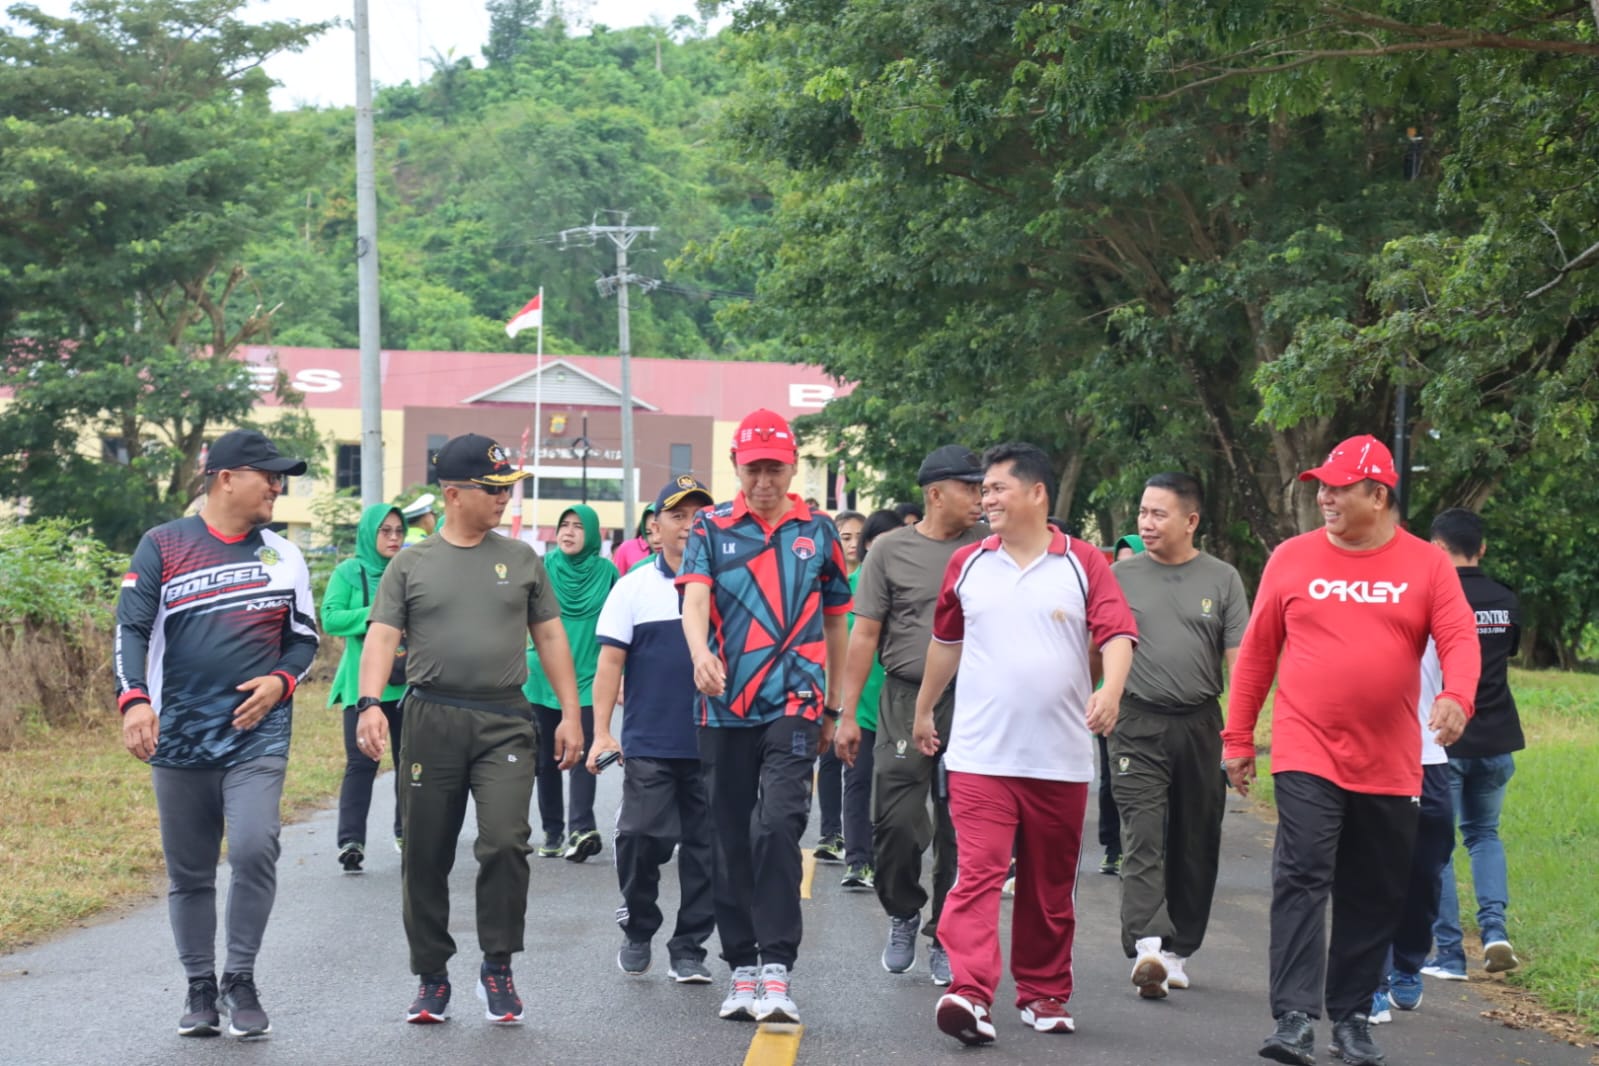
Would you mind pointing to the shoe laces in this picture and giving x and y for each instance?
(499, 981)
(774, 979)
(902, 931)
(745, 980)
(433, 988)
(1360, 1024)
(241, 992)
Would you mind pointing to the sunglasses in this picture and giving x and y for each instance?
(491, 490)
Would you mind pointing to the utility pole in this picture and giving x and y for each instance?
(622, 236)
(1413, 160)
(366, 258)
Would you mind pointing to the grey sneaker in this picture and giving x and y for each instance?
(200, 1016)
(900, 954)
(634, 958)
(938, 965)
(740, 1002)
(774, 1004)
(688, 970)
(239, 999)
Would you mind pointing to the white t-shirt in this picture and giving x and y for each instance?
(1432, 683)
(1021, 697)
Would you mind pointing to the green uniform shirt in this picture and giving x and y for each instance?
(466, 612)
(1189, 615)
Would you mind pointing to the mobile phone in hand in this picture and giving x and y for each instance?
(605, 760)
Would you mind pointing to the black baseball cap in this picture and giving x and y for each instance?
(679, 489)
(952, 462)
(247, 448)
(474, 457)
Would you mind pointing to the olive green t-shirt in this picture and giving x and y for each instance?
(465, 612)
(899, 584)
(1189, 615)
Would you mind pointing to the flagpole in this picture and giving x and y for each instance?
(538, 415)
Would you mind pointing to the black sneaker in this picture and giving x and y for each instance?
(1351, 1041)
(200, 1017)
(829, 849)
(634, 958)
(351, 856)
(497, 990)
(583, 846)
(1294, 1042)
(687, 970)
(432, 1003)
(554, 846)
(239, 999)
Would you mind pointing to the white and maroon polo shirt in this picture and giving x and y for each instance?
(1021, 698)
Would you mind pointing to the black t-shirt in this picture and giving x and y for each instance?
(1495, 728)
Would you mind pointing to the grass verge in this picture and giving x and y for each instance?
(81, 834)
(1550, 827)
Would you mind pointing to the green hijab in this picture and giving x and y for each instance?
(582, 581)
(367, 560)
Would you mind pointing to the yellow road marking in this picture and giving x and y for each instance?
(774, 1045)
(808, 864)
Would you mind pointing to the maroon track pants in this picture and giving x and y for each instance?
(1044, 820)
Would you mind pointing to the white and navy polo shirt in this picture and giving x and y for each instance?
(643, 616)
(1021, 698)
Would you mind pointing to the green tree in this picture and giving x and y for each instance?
(138, 156)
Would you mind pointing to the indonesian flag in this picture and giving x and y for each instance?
(530, 317)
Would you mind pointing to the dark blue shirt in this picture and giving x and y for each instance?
(643, 617)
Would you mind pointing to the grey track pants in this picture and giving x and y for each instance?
(197, 808)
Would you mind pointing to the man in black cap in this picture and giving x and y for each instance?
(664, 804)
(466, 600)
(899, 583)
(226, 605)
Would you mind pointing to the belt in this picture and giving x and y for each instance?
(450, 700)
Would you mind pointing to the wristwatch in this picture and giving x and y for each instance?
(831, 713)
(367, 701)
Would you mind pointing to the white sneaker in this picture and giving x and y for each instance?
(1176, 976)
(964, 1019)
(1149, 969)
(740, 1002)
(774, 1003)
(1498, 956)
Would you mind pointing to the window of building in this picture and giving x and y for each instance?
(682, 459)
(347, 467)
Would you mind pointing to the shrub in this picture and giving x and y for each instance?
(57, 598)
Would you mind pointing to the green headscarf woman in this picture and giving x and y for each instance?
(345, 606)
(581, 581)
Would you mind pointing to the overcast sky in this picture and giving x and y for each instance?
(405, 33)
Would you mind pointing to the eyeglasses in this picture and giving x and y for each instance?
(391, 531)
(272, 478)
(490, 490)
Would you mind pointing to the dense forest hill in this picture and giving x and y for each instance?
(481, 166)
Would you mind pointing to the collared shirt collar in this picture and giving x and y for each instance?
(660, 564)
(1057, 542)
(797, 510)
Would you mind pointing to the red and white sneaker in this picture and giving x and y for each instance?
(1048, 1016)
(964, 1020)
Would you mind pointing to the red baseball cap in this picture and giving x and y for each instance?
(1356, 459)
(764, 435)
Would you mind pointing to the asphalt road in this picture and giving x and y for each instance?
(333, 976)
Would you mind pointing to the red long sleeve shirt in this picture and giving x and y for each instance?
(1343, 632)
